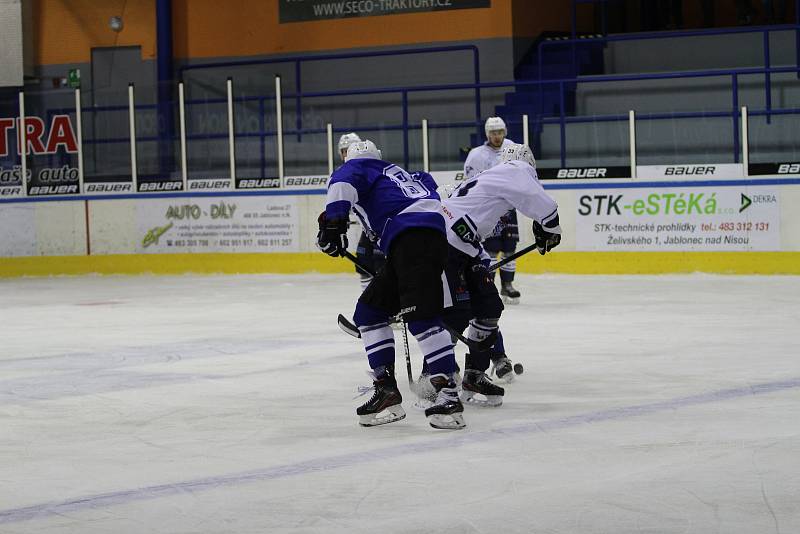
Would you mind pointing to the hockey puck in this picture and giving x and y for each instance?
(518, 368)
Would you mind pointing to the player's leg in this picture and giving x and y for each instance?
(502, 367)
(455, 316)
(373, 310)
(509, 240)
(486, 307)
(418, 256)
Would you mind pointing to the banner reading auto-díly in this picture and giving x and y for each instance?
(209, 224)
(679, 219)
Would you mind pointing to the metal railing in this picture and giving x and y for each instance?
(403, 92)
(575, 42)
(298, 62)
(406, 127)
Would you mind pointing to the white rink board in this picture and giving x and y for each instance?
(119, 226)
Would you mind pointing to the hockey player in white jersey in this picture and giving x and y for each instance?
(487, 155)
(479, 159)
(471, 213)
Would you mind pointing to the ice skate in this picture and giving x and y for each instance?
(508, 293)
(384, 406)
(426, 393)
(477, 383)
(446, 411)
(503, 369)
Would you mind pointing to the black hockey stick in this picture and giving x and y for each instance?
(477, 346)
(509, 259)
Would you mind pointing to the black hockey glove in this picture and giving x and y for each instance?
(481, 263)
(545, 241)
(332, 236)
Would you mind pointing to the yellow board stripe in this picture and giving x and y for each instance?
(557, 262)
(661, 262)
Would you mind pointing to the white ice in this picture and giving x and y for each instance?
(666, 404)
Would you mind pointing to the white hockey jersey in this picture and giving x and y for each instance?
(472, 211)
(483, 157)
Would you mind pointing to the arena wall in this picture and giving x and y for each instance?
(715, 221)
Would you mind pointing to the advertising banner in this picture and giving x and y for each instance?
(708, 171)
(158, 184)
(302, 10)
(758, 169)
(243, 224)
(208, 184)
(51, 147)
(306, 182)
(584, 173)
(679, 219)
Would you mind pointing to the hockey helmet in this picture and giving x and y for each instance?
(363, 150)
(494, 124)
(517, 152)
(348, 139)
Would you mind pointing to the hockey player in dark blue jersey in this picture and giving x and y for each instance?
(402, 214)
(369, 256)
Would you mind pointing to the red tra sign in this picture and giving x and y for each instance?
(60, 134)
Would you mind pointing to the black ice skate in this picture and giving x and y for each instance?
(386, 399)
(477, 383)
(509, 294)
(445, 413)
(503, 369)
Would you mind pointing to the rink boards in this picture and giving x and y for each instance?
(669, 219)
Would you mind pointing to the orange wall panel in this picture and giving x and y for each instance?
(67, 30)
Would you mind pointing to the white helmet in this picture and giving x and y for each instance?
(348, 139)
(517, 152)
(363, 150)
(494, 124)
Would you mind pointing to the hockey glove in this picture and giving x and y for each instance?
(545, 241)
(332, 236)
(481, 262)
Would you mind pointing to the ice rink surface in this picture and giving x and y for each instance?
(649, 404)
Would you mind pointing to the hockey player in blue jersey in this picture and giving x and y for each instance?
(369, 256)
(402, 214)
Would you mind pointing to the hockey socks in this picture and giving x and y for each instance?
(436, 345)
(378, 337)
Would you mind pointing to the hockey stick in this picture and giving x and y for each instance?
(408, 355)
(350, 328)
(509, 259)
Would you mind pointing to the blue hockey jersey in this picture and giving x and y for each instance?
(387, 198)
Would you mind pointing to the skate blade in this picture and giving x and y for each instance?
(485, 401)
(454, 421)
(393, 413)
(510, 300)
